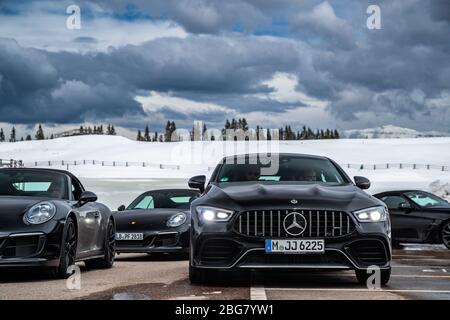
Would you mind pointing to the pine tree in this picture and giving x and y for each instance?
(52, 137)
(40, 133)
(81, 130)
(146, 134)
(139, 136)
(113, 130)
(12, 137)
(336, 135)
(28, 138)
(2, 135)
(21, 139)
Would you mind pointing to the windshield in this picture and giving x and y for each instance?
(33, 184)
(164, 200)
(291, 168)
(425, 199)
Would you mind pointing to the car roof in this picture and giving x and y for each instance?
(42, 170)
(172, 190)
(280, 154)
(399, 192)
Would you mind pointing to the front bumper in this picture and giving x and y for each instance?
(157, 242)
(355, 253)
(31, 249)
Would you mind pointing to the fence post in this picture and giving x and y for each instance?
(35, 163)
(387, 165)
(160, 166)
(126, 164)
(114, 163)
(428, 167)
(401, 166)
(103, 163)
(84, 162)
(443, 168)
(49, 163)
(414, 166)
(143, 164)
(75, 163)
(374, 167)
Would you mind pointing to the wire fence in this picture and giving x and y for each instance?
(102, 163)
(11, 163)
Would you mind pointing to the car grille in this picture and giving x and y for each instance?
(269, 223)
(261, 258)
(369, 252)
(219, 252)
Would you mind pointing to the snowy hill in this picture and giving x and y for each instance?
(390, 132)
(188, 159)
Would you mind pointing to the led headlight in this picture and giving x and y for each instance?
(214, 214)
(374, 214)
(176, 220)
(40, 213)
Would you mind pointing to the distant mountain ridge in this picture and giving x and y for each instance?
(391, 132)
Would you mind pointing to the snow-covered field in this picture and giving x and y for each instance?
(195, 158)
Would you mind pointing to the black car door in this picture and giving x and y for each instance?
(409, 222)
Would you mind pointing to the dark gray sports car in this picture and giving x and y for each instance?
(298, 212)
(47, 219)
(156, 221)
(418, 216)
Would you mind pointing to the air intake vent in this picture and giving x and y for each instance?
(369, 252)
(219, 252)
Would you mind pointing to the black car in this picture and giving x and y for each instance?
(156, 222)
(47, 219)
(418, 216)
(304, 214)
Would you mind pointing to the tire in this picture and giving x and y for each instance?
(110, 250)
(445, 234)
(362, 276)
(68, 250)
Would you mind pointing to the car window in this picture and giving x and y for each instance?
(425, 199)
(393, 202)
(146, 202)
(290, 168)
(164, 199)
(30, 183)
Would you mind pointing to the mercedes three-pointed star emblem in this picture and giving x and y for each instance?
(294, 224)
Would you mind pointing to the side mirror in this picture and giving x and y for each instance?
(197, 182)
(362, 182)
(121, 208)
(405, 206)
(87, 196)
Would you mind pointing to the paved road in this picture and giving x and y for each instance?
(419, 272)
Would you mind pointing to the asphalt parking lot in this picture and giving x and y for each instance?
(419, 272)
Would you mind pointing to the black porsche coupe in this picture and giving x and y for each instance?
(418, 216)
(157, 221)
(47, 219)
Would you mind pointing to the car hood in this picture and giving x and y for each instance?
(153, 219)
(279, 195)
(13, 208)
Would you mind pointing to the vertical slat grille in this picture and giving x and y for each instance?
(269, 223)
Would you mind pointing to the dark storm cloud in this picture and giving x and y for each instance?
(394, 72)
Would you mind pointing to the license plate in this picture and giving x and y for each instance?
(295, 246)
(129, 236)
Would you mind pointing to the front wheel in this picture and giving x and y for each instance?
(363, 276)
(446, 234)
(68, 251)
(110, 250)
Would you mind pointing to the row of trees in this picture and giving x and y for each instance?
(110, 130)
(13, 135)
(236, 129)
(39, 135)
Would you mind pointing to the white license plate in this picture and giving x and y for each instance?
(295, 246)
(129, 236)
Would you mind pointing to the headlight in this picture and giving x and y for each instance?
(40, 213)
(375, 214)
(214, 214)
(177, 220)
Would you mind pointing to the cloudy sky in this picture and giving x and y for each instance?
(274, 62)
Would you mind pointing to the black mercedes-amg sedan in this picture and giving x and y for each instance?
(47, 219)
(157, 221)
(293, 212)
(418, 217)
